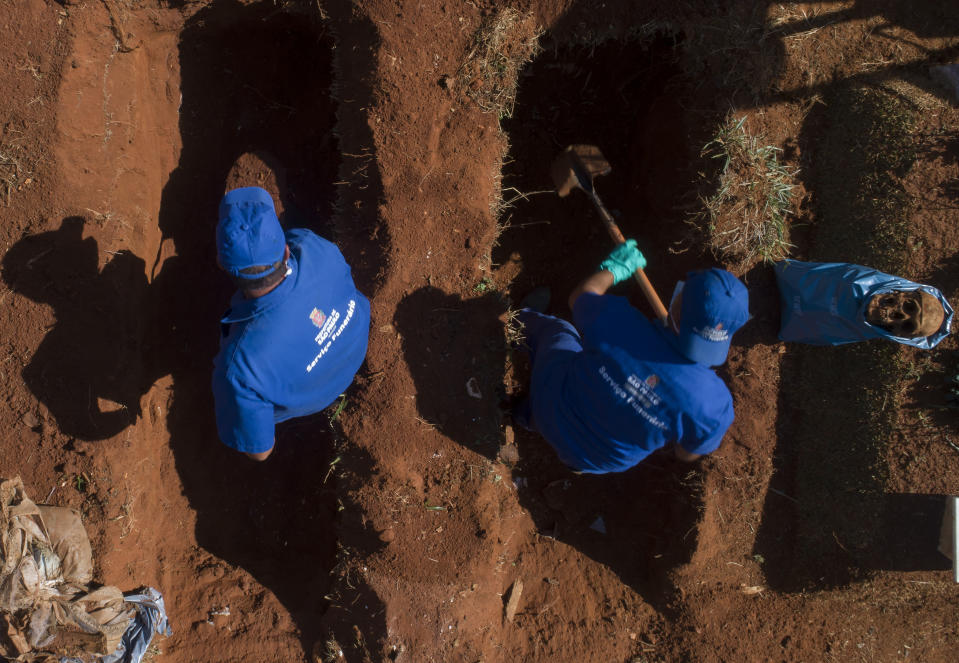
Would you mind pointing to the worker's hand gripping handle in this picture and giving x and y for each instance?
(639, 274)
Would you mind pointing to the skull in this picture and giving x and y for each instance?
(909, 314)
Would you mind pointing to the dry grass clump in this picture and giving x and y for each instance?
(501, 46)
(747, 217)
(12, 175)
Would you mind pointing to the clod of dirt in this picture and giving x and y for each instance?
(516, 591)
(509, 454)
(472, 388)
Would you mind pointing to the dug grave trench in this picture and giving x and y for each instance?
(829, 519)
(627, 98)
(250, 116)
(633, 101)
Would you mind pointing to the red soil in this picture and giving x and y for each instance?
(395, 527)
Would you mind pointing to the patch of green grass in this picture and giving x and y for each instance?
(338, 409)
(746, 219)
(485, 285)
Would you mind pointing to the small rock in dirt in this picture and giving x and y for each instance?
(551, 532)
(472, 388)
(509, 454)
(31, 420)
(513, 602)
(387, 535)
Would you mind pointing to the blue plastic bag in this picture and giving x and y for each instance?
(824, 303)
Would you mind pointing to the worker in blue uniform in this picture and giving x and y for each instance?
(297, 328)
(615, 387)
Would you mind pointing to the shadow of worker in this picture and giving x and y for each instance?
(86, 370)
(455, 352)
(640, 523)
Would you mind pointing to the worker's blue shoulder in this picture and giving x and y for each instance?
(318, 258)
(296, 237)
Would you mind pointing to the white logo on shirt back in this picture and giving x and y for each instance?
(326, 336)
(637, 394)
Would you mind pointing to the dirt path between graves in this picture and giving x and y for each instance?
(396, 525)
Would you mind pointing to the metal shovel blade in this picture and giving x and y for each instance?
(576, 166)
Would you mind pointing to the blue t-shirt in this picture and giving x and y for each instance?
(628, 393)
(292, 351)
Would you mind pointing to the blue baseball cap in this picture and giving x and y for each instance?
(248, 233)
(715, 305)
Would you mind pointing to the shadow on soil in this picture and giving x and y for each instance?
(627, 98)
(828, 520)
(274, 519)
(82, 369)
(743, 49)
(641, 523)
(632, 99)
(115, 334)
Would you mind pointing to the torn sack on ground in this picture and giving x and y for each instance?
(50, 610)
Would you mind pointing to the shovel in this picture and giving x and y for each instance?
(575, 168)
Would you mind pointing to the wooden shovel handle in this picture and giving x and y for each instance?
(639, 274)
(651, 295)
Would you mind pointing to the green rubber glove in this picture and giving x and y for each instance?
(623, 261)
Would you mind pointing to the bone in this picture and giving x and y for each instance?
(907, 314)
